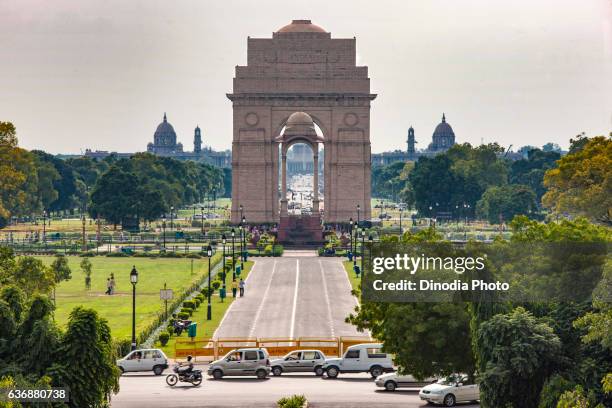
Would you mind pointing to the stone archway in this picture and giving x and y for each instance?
(301, 69)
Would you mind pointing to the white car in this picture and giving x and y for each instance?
(360, 358)
(300, 361)
(450, 390)
(391, 381)
(144, 360)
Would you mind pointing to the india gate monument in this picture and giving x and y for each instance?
(298, 80)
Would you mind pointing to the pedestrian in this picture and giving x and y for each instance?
(242, 284)
(108, 287)
(112, 284)
(234, 288)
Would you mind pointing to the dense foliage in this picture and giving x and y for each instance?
(34, 352)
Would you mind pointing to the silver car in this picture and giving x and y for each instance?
(300, 361)
(244, 361)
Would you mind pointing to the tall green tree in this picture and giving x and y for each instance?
(502, 204)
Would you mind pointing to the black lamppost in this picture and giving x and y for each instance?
(358, 209)
(164, 231)
(223, 241)
(233, 261)
(363, 234)
(351, 232)
(209, 309)
(45, 227)
(400, 210)
(371, 241)
(171, 218)
(134, 280)
(244, 244)
(202, 220)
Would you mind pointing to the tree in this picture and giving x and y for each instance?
(530, 171)
(31, 275)
(87, 365)
(115, 196)
(86, 267)
(581, 185)
(60, 268)
(500, 204)
(520, 354)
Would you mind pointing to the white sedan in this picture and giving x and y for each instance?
(450, 390)
(391, 381)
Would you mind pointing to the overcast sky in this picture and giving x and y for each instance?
(100, 74)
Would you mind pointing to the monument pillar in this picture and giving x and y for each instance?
(315, 180)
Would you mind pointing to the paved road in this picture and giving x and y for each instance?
(350, 391)
(292, 297)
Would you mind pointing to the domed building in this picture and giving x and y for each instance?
(164, 140)
(443, 137)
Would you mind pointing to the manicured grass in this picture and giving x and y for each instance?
(355, 281)
(117, 309)
(206, 328)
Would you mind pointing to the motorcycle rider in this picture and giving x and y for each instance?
(186, 367)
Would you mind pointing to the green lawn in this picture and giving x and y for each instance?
(206, 328)
(348, 267)
(117, 309)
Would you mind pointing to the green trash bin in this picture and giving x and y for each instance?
(238, 271)
(192, 329)
(222, 293)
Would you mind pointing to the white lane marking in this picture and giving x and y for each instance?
(295, 296)
(350, 287)
(263, 300)
(329, 313)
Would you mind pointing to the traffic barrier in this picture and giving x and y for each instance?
(215, 348)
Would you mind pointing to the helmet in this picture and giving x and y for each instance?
(189, 358)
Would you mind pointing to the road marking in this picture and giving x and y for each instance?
(227, 312)
(329, 313)
(263, 299)
(295, 295)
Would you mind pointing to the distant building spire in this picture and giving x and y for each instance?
(165, 120)
(443, 118)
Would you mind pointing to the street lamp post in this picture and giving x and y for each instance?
(400, 210)
(45, 228)
(223, 241)
(363, 234)
(358, 209)
(351, 232)
(171, 218)
(164, 231)
(84, 237)
(134, 281)
(202, 220)
(233, 261)
(371, 241)
(244, 243)
(209, 309)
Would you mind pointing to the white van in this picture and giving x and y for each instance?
(360, 358)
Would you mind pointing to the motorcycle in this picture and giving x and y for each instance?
(194, 377)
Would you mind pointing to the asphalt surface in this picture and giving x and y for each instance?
(293, 297)
(348, 390)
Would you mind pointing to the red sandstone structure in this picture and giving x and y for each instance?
(300, 77)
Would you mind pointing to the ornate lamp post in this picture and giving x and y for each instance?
(223, 241)
(134, 281)
(84, 237)
(233, 261)
(202, 220)
(45, 227)
(363, 234)
(244, 243)
(371, 241)
(164, 231)
(351, 232)
(400, 210)
(209, 254)
(171, 218)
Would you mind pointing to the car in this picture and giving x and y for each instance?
(300, 361)
(360, 358)
(144, 360)
(391, 381)
(450, 390)
(241, 362)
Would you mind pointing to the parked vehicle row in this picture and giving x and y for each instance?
(361, 358)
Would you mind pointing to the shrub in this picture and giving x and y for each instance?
(183, 315)
(205, 292)
(295, 401)
(170, 330)
(268, 250)
(123, 347)
(117, 255)
(197, 302)
(163, 338)
(189, 303)
(216, 284)
(187, 310)
(200, 297)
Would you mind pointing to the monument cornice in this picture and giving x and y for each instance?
(301, 99)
